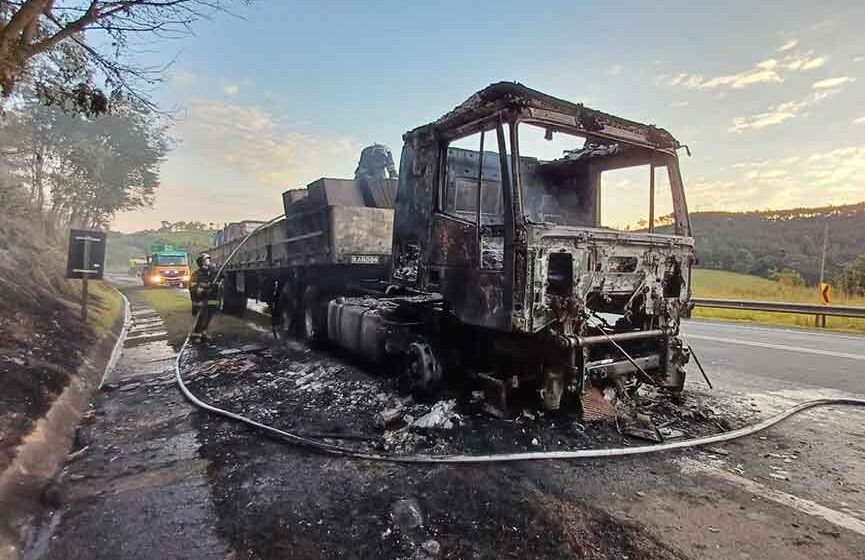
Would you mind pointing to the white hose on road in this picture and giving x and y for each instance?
(497, 457)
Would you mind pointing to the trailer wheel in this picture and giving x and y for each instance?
(233, 302)
(423, 370)
(314, 320)
(286, 324)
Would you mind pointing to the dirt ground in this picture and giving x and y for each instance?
(42, 341)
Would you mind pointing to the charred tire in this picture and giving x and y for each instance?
(423, 372)
(233, 302)
(314, 320)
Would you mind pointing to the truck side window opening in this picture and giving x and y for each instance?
(461, 181)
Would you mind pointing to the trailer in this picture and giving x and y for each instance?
(500, 258)
(335, 236)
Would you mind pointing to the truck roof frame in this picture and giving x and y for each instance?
(536, 105)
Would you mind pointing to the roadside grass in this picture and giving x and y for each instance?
(105, 305)
(176, 311)
(724, 284)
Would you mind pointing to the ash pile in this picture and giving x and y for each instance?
(319, 396)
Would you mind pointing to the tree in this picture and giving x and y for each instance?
(80, 171)
(58, 31)
(852, 277)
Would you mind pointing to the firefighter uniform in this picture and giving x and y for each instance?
(204, 293)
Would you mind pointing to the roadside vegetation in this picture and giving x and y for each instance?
(732, 285)
(762, 243)
(176, 311)
(105, 307)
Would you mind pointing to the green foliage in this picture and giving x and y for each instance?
(80, 171)
(788, 277)
(723, 284)
(852, 277)
(762, 243)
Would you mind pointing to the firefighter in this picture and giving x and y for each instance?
(204, 293)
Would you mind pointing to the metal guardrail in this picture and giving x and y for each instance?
(784, 307)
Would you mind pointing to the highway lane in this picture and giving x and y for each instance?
(748, 356)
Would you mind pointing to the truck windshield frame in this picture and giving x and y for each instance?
(567, 190)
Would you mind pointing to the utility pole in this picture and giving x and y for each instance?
(823, 256)
(820, 320)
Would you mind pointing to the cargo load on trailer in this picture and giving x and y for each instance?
(506, 256)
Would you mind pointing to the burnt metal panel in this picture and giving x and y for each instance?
(452, 243)
(382, 192)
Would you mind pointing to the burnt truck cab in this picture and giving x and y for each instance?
(557, 237)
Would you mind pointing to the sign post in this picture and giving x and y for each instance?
(826, 297)
(85, 260)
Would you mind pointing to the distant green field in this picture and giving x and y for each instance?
(723, 284)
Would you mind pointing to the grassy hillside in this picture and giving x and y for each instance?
(759, 243)
(723, 284)
(123, 246)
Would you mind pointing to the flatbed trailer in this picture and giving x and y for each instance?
(491, 260)
(335, 237)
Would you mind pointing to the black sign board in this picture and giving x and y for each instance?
(86, 257)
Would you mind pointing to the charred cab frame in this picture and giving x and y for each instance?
(541, 317)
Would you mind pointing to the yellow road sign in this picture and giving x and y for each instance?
(826, 292)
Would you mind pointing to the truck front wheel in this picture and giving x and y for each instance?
(423, 370)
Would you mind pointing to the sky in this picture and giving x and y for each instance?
(767, 95)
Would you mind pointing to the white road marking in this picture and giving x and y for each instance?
(784, 347)
(800, 504)
(739, 326)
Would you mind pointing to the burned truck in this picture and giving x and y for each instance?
(532, 246)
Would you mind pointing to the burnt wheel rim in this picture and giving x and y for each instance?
(422, 368)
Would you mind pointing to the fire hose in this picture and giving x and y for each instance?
(496, 457)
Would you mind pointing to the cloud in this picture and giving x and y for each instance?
(181, 78)
(804, 62)
(678, 104)
(779, 113)
(860, 120)
(231, 90)
(813, 179)
(762, 72)
(250, 141)
(614, 70)
(791, 43)
(858, 58)
(832, 82)
(769, 71)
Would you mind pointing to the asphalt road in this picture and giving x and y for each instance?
(750, 357)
